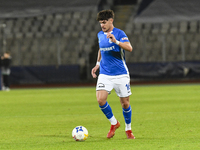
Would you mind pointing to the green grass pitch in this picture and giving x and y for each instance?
(164, 117)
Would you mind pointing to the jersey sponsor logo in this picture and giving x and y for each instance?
(107, 48)
(125, 38)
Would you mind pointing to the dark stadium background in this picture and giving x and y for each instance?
(55, 42)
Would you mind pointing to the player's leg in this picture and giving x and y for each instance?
(101, 97)
(104, 106)
(123, 90)
(103, 88)
(106, 109)
(3, 82)
(6, 82)
(127, 112)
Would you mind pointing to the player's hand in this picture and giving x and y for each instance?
(93, 72)
(111, 37)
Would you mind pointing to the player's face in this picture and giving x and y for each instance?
(6, 55)
(106, 25)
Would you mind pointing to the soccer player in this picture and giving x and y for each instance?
(5, 64)
(113, 73)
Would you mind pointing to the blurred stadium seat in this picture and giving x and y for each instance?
(37, 40)
(36, 36)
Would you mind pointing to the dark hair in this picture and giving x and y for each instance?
(105, 15)
(7, 52)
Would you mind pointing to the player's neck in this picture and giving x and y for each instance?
(110, 30)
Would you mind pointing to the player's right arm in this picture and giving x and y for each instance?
(93, 72)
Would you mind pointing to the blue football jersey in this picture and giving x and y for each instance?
(112, 56)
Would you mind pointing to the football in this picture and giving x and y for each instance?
(80, 133)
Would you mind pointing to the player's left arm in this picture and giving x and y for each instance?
(125, 45)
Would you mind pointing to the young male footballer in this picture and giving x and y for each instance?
(113, 72)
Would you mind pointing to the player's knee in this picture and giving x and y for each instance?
(101, 97)
(125, 105)
(125, 102)
(101, 101)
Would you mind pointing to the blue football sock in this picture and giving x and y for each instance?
(106, 109)
(127, 115)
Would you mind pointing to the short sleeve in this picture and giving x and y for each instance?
(123, 37)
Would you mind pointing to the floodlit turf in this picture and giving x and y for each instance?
(163, 117)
